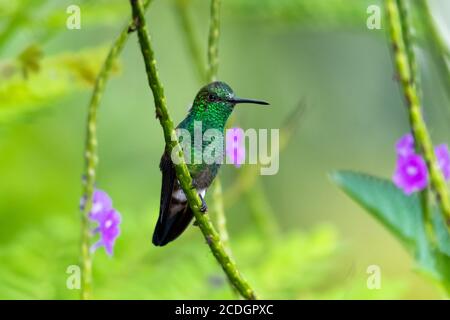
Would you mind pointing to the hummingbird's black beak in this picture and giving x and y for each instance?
(241, 100)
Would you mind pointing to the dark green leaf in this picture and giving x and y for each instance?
(399, 213)
(402, 215)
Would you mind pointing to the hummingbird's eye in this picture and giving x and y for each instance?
(213, 97)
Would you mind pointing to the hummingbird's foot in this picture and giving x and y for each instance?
(204, 207)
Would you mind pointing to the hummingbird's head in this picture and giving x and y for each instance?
(218, 97)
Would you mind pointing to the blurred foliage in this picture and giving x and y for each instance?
(29, 60)
(43, 19)
(295, 266)
(44, 66)
(32, 82)
(338, 13)
(402, 215)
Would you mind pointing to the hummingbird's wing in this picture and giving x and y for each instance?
(174, 211)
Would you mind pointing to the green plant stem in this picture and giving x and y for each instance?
(194, 48)
(213, 40)
(91, 157)
(221, 222)
(190, 38)
(418, 126)
(406, 22)
(183, 176)
(213, 67)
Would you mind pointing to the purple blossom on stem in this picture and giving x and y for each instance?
(411, 174)
(443, 159)
(108, 228)
(235, 146)
(108, 220)
(405, 145)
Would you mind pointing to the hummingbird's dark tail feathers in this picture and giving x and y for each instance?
(174, 212)
(169, 229)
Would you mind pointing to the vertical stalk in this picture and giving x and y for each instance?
(406, 23)
(219, 211)
(213, 40)
(221, 222)
(418, 126)
(91, 157)
(407, 31)
(213, 67)
(190, 38)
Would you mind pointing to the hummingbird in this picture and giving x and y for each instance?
(212, 106)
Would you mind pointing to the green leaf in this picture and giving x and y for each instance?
(402, 215)
(399, 213)
(441, 231)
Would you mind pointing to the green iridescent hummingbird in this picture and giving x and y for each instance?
(212, 107)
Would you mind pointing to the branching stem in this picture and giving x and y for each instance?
(91, 158)
(418, 126)
(211, 236)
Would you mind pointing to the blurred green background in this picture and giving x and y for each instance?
(280, 51)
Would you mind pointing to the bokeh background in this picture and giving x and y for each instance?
(294, 235)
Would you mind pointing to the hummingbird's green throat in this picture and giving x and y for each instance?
(212, 107)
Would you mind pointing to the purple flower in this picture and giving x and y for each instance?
(108, 220)
(100, 202)
(411, 174)
(405, 145)
(443, 159)
(235, 146)
(108, 228)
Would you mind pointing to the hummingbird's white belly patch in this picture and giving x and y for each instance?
(180, 196)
